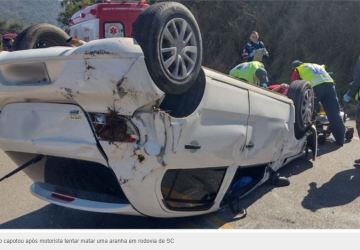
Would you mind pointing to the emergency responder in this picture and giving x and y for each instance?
(354, 92)
(252, 47)
(251, 72)
(325, 93)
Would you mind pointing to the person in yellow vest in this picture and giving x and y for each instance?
(354, 92)
(325, 93)
(252, 72)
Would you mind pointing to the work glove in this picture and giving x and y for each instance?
(347, 98)
(266, 53)
(263, 85)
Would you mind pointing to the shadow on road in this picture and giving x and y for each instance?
(327, 148)
(55, 217)
(341, 189)
(296, 167)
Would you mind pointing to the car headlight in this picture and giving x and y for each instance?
(24, 74)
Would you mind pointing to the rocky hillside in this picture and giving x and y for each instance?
(324, 32)
(28, 12)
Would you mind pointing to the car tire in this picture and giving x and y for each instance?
(171, 42)
(41, 36)
(302, 95)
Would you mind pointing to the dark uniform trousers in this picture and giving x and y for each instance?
(325, 94)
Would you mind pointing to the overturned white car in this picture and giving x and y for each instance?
(116, 127)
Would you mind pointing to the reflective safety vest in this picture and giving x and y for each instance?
(357, 96)
(314, 73)
(246, 71)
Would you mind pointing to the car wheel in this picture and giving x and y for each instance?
(171, 41)
(302, 95)
(41, 36)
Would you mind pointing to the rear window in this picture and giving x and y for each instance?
(114, 30)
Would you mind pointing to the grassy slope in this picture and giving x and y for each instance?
(312, 31)
(29, 11)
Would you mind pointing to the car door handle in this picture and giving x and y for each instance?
(192, 147)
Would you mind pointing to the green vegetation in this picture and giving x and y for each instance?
(9, 27)
(29, 12)
(323, 32)
(69, 8)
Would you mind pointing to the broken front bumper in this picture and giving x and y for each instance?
(74, 172)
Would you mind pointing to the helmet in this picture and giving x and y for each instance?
(296, 63)
(262, 76)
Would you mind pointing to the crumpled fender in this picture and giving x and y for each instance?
(103, 74)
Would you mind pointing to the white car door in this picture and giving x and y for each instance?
(268, 128)
(215, 135)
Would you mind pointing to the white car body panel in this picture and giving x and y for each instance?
(271, 138)
(39, 128)
(75, 75)
(86, 205)
(111, 74)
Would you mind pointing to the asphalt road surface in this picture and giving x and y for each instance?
(322, 194)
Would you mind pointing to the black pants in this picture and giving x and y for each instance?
(325, 94)
(358, 118)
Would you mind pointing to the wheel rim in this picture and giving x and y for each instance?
(178, 49)
(307, 107)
